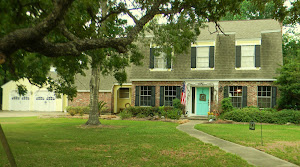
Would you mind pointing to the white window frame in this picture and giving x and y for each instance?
(264, 97)
(207, 44)
(248, 42)
(234, 94)
(173, 96)
(145, 96)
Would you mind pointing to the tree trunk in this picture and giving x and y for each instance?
(94, 94)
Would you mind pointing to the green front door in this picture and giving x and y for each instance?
(202, 101)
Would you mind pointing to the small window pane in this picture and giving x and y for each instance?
(202, 57)
(124, 93)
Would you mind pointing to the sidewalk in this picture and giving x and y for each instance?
(253, 156)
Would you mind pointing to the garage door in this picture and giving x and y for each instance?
(18, 103)
(44, 101)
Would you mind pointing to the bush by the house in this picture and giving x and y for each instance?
(78, 110)
(226, 105)
(141, 112)
(177, 104)
(125, 114)
(266, 116)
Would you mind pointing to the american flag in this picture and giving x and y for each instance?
(183, 94)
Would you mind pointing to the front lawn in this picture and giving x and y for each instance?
(64, 142)
(282, 141)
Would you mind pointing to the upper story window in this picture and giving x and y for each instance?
(248, 54)
(202, 55)
(159, 60)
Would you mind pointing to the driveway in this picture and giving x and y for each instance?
(30, 113)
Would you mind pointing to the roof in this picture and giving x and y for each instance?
(242, 29)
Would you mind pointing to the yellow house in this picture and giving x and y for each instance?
(36, 99)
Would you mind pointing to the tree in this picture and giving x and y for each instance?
(38, 34)
(289, 85)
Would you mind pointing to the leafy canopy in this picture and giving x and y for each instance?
(38, 34)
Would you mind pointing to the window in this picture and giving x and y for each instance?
(50, 98)
(145, 96)
(124, 93)
(264, 96)
(248, 56)
(236, 94)
(202, 57)
(25, 98)
(15, 98)
(170, 94)
(39, 98)
(160, 61)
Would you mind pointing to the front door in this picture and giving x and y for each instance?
(202, 101)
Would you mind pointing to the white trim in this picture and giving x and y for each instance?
(270, 31)
(160, 69)
(250, 79)
(125, 84)
(253, 41)
(102, 91)
(250, 68)
(196, 69)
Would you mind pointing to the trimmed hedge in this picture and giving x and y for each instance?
(266, 116)
(77, 110)
(166, 111)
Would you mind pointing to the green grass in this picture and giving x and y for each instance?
(282, 141)
(64, 142)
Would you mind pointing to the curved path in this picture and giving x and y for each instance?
(253, 156)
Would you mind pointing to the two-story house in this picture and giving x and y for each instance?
(240, 64)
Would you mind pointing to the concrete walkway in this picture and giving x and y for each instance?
(253, 156)
(30, 113)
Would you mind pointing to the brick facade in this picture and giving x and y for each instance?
(251, 89)
(83, 99)
(157, 85)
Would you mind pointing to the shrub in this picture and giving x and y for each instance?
(266, 116)
(174, 114)
(101, 106)
(147, 111)
(125, 114)
(226, 105)
(140, 115)
(177, 104)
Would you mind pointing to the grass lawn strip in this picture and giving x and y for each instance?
(282, 141)
(65, 142)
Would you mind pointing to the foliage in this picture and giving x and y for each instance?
(125, 114)
(265, 116)
(177, 105)
(281, 141)
(62, 34)
(226, 105)
(101, 106)
(289, 85)
(166, 111)
(78, 110)
(174, 114)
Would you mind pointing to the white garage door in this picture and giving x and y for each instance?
(18, 103)
(44, 101)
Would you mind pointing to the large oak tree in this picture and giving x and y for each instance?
(37, 34)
